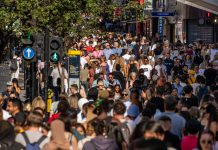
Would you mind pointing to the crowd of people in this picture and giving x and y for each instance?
(135, 93)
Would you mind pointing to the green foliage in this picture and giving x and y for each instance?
(62, 17)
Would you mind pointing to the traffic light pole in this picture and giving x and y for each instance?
(46, 53)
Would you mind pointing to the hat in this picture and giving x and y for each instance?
(192, 72)
(133, 111)
(82, 102)
(103, 94)
(9, 83)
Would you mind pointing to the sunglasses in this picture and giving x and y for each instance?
(206, 142)
(124, 94)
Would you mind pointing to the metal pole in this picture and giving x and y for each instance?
(46, 53)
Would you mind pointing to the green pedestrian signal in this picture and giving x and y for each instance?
(54, 57)
(55, 49)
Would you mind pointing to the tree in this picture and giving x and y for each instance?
(62, 17)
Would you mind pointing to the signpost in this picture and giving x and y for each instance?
(162, 14)
(160, 27)
(28, 53)
(74, 67)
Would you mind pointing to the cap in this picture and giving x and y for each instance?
(133, 111)
(9, 83)
(82, 102)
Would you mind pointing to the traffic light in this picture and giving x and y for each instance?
(55, 49)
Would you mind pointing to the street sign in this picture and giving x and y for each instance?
(73, 52)
(160, 27)
(162, 14)
(28, 53)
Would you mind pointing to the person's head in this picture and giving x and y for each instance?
(74, 88)
(174, 92)
(177, 80)
(73, 101)
(166, 122)
(117, 88)
(159, 61)
(150, 144)
(133, 111)
(38, 102)
(206, 140)
(100, 84)
(63, 106)
(134, 94)
(1, 99)
(15, 82)
(112, 57)
(118, 67)
(14, 106)
(9, 86)
(133, 76)
(119, 109)
(170, 103)
(154, 130)
(168, 56)
(1, 114)
(90, 128)
(188, 89)
(159, 91)
(99, 126)
(111, 77)
(192, 127)
(34, 119)
(125, 94)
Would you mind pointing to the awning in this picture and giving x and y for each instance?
(207, 5)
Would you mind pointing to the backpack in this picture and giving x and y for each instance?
(120, 133)
(201, 91)
(32, 146)
(13, 65)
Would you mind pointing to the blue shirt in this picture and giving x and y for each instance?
(117, 51)
(179, 88)
(107, 53)
(177, 121)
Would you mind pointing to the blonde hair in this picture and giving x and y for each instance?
(38, 102)
(73, 101)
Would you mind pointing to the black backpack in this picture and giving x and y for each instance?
(32, 146)
(14, 65)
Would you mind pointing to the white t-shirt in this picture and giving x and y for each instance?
(55, 75)
(147, 70)
(126, 58)
(159, 67)
(213, 53)
(83, 61)
(6, 115)
(111, 65)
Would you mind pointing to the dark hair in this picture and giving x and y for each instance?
(138, 131)
(134, 94)
(160, 90)
(199, 137)
(118, 67)
(165, 118)
(193, 126)
(74, 86)
(63, 106)
(99, 126)
(93, 93)
(170, 102)
(67, 121)
(119, 108)
(187, 89)
(150, 144)
(212, 110)
(16, 102)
